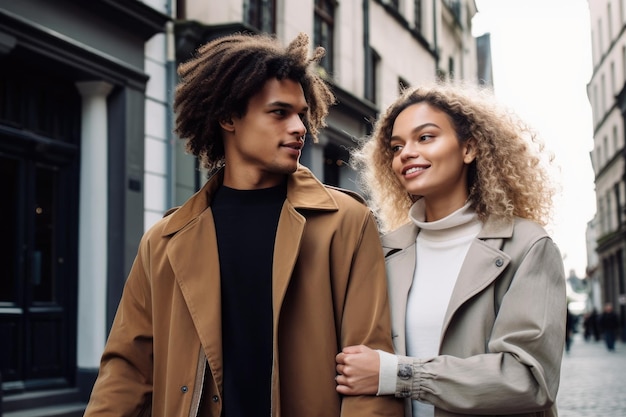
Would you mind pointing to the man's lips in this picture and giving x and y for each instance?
(294, 145)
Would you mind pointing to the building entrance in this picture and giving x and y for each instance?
(39, 160)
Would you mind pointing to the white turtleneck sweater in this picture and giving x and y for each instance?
(441, 247)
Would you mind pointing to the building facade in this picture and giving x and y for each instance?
(607, 94)
(90, 161)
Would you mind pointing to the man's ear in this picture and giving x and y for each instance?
(227, 125)
(469, 150)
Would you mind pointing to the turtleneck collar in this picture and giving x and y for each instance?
(461, 222)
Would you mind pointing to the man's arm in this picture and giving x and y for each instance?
(124, 383)
(367, 319)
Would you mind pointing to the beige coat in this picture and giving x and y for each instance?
(164, 351)
(504, 329)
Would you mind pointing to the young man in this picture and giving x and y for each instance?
(240, 299)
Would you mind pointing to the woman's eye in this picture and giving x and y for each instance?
(396, 148)
(425, 137)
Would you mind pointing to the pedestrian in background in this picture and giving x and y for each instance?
(590, 324)
(609, 326)
(569, 329)
(239, 300)
(477, 286)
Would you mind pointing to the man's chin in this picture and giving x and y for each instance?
(289, 168)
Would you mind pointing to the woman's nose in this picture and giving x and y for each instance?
(409, 151)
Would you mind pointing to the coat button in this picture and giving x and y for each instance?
(405, 372)
(215, 398)
(184, 389)
(499, 262)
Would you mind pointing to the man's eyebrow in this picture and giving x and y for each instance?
(286, 105)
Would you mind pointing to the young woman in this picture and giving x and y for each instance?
(477, 287)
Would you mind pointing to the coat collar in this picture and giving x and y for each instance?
(485, 255)
(304, 191)
(191, 232)
(404, 236)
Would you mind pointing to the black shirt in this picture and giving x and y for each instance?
(245, 223)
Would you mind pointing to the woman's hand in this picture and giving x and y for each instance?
(357, 368)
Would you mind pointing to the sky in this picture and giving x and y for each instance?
(541, 57)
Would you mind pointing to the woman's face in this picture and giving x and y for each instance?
(428, 158)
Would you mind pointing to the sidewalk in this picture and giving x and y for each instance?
(593, 380)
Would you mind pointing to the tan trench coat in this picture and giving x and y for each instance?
(504, 329)
(164, 352)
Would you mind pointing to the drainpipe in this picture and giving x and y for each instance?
(367, 49)
(435, 44)
(171, 81)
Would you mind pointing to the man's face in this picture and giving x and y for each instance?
(265, 144)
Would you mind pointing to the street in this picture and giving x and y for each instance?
(593, 380)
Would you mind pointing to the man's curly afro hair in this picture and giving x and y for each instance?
(225, 73)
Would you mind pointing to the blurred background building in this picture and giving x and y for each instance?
(89, 161)
(606, 233)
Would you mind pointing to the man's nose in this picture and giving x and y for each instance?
(297, 126)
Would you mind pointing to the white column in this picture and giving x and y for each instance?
(92, 235)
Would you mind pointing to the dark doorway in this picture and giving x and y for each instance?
(39, 154)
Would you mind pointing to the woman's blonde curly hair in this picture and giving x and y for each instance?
(508, 177)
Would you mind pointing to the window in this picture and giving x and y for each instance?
(618, 212)
(623, 63)
(402, 85)
(260, 14)
(609, 15)
(417, 15)
(603, 228)
(615, 139)
(32, 103)
(600, 43)
(595, 108)
(455, 8)
(451, 68)
(335, 161)
(603, 95)
(324, 31)
(612, 78)
(609, 212)
(371, 75)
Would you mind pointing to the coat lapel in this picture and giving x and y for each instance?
(304, 192)
(399, 248)
(192, 252)
(483, 263)
(286, 250)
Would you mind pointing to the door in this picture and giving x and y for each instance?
(37, 285)
(39, 156)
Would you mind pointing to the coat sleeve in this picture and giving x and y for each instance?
(366, 318)
(520, 369)
(124, 383)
